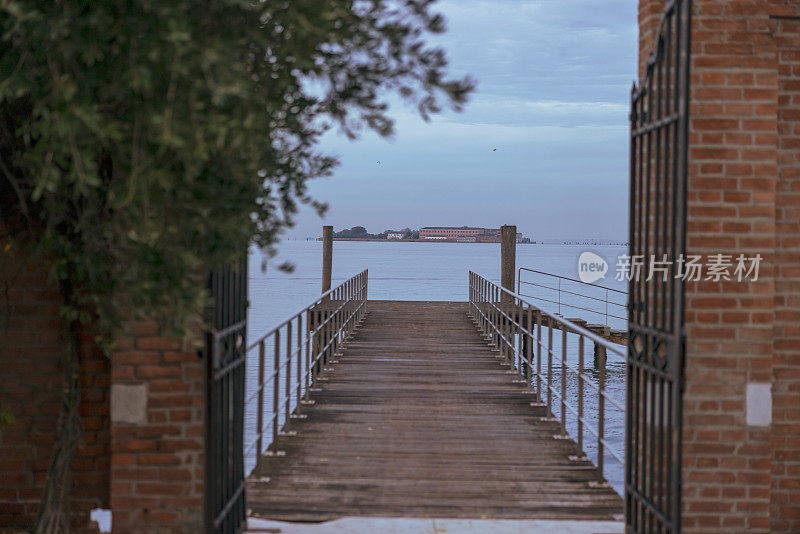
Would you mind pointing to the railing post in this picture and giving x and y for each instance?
(492, 312)
(473, 289)
(550, 368)
(563, 380)
(529, 345)
(485, 304)
(308, 353)
(469, 293)
(323, 361)
(509, 329)
(299, 392)
(497, 324)
(601, 407)
(482, 292)
(260, 430)
(515, 328)
(559, 296)
(351, 309)
(288, 388)
(336, 322)
(580, 393)
(276, 385)
(539, 397)
(487, 291)
(504, 325)
(347, 308)
(331, 330)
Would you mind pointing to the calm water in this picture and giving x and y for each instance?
(438, 271)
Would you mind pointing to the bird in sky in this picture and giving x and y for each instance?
(379, 162)
(494, 150)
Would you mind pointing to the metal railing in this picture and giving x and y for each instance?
(306, 343)
(514, 326)
(618, 310)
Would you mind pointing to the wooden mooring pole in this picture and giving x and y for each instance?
(318, 315)
(508, 258)
(327, 257)
(508, 264)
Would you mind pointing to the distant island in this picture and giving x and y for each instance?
(452, 234)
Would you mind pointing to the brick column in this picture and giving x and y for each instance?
(741, 443)
(157, 433)
(729, 324)
(785, 498)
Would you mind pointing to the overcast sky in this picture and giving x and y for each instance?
(554, 79)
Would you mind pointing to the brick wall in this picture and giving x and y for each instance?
(743, 197)
(157, 430)
(785, 498)
(146, 465)
(731, 210)
(31, 364)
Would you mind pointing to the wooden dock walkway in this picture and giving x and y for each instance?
(420, 419)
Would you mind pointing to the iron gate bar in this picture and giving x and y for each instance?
(657, 230)
(225, 378)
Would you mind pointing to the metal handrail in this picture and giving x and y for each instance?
(560, 304)
(559, 291)
(513, 325)
(318, 330)
(572, 293)
(570, 279)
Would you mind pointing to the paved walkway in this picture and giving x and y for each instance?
(372, 525)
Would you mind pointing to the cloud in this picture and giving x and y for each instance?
(554, 85)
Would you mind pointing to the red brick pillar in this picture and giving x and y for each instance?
(157, 433)
(785, 498)
(729, 324)
(741, 443)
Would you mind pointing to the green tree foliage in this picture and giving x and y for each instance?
(358, 232)
(142, 141)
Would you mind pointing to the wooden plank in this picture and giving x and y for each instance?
(419, 419)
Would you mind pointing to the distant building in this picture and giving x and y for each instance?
(463, 234)
(395, 235)
(449, 232)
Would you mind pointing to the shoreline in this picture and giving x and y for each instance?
(416, 241)
(462, 242)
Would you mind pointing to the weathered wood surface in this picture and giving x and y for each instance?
(420, 419)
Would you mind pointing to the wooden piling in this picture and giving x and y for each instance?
(327, 257)
(508, 258)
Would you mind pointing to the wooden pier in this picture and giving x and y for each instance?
(419, 418)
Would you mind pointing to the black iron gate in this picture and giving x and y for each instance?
(659, 129)
(225, 384)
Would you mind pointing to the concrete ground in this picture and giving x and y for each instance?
(371, 525)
